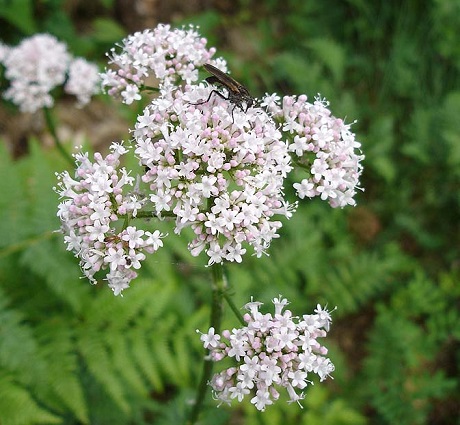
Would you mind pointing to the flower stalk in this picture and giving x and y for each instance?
(219, 286)
(52, 129)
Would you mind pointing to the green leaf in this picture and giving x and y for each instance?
(18, 347)
(98, 360)
(18, 407)
(379, 147)
(331, 54)
(14, 212)
(20, 14)
(62, 366)
(107, 31)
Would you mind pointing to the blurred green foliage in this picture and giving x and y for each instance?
(72, 353)
(88, 28)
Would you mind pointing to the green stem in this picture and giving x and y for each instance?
(57, 142)
(149, 88)
(234, 308)
(150, 214)
(219, 285)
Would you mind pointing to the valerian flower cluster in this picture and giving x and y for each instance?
(222, 178)
(206, 165)
(321, 145)
(165, 55)
(270, 352)
(94, 203)
(41, 63)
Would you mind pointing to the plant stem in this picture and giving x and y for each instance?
(234, 308)
(57, 142)
(151, 214)
(219, 285)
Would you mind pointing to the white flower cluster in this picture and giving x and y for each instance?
(4, 50)
(209, 165)
(270, 351)
(217, 169)
(93, 201)
(35, 67)
(38, 65)
(83, 80)
(165, 55)
(322, 144)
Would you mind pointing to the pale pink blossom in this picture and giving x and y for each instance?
(269, 353)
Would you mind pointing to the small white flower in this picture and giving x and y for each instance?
(299, 145)
(261, 400)
(133, 236)
(130, 94)
(210, 339)
(154, 239)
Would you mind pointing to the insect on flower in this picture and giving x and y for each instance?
(237, 93)
(112, 239)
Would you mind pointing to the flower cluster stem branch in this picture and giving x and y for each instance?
(52, 129)
(234, 308)
(151, 214)
(219, 286)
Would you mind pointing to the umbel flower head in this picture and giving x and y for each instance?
(322, 146)
(93, 202)
(212, 167)
(83, 80)
(166, 56)
(41, 63)
(217, 170)
(270, 352)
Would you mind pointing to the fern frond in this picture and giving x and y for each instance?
(361, 278)
(401, 381)
(121, 359)
(142, 355)
(13, 203)
(62, 388)
(162, 349)
(18, 347)
(18, 407)
(98, 361)
(48, 260)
